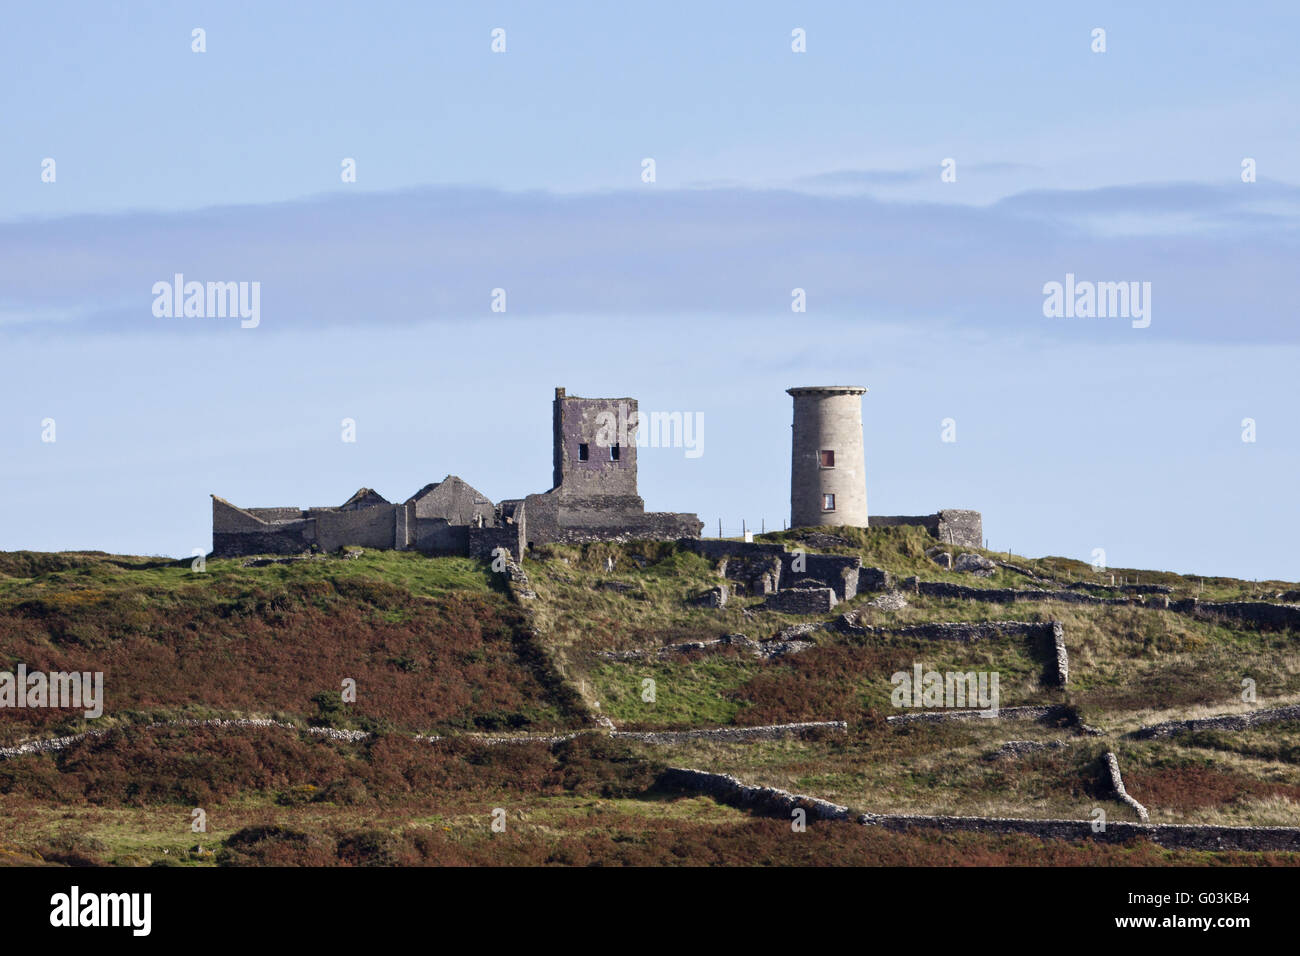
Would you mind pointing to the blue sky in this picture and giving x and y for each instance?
(774, 170)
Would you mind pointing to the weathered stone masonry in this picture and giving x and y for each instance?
(594, 498)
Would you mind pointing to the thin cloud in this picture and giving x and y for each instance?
(395, 258)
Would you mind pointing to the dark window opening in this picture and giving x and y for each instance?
(582, 453)
(613, 452)
(828, 459)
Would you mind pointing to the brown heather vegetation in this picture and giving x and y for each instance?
(200, 766)
(455, 663)
(1195, 786)
(754, 842)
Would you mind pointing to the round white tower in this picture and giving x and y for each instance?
(828, 474)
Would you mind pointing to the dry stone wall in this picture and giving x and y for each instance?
(1223, 722)
(771, 801)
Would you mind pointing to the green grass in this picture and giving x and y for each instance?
(25, 575)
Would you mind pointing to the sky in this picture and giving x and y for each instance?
(922, 174)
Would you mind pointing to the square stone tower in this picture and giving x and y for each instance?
(595, 447)
(828, 474)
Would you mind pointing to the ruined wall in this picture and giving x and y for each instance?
(373, 527)
(483, 541)
(1005, 595)
(227, 518)
(929, 522)
(773, 802)
(563, 519)
(455, 500)
(801, 601)
(236, 531)
(750, 561)
(1259, 613)
(838, 572)
(962, 528)
(276, 514)
(598, 423)
(439, 536)
(718, 548)
(951, 525)
(290, 538)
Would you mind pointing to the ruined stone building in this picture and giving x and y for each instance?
(593, 495)
(828, 475)
(593, 498)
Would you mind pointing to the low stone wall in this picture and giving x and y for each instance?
(789, 641)
(771, 801)
(951, 526)
(1172, 836)
(1245, 721)
(766, 800)
(53, 744)
(1119, 588)
(1007, 595)
(1117, 784)
(715, 549)
(728, 734)
(1040, 713)
(1257, 613)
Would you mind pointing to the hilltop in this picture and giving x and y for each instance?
(479, 691)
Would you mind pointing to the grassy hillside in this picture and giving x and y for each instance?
(431, 645)
(441, 646)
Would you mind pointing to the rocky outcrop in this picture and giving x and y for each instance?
(940, 557)
(889, 601)
(971, 563)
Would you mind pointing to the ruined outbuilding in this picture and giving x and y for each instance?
(593, 498)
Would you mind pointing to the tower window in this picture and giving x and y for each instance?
(582, 453)
(828, 459)
(613, 452)
(828, 502)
